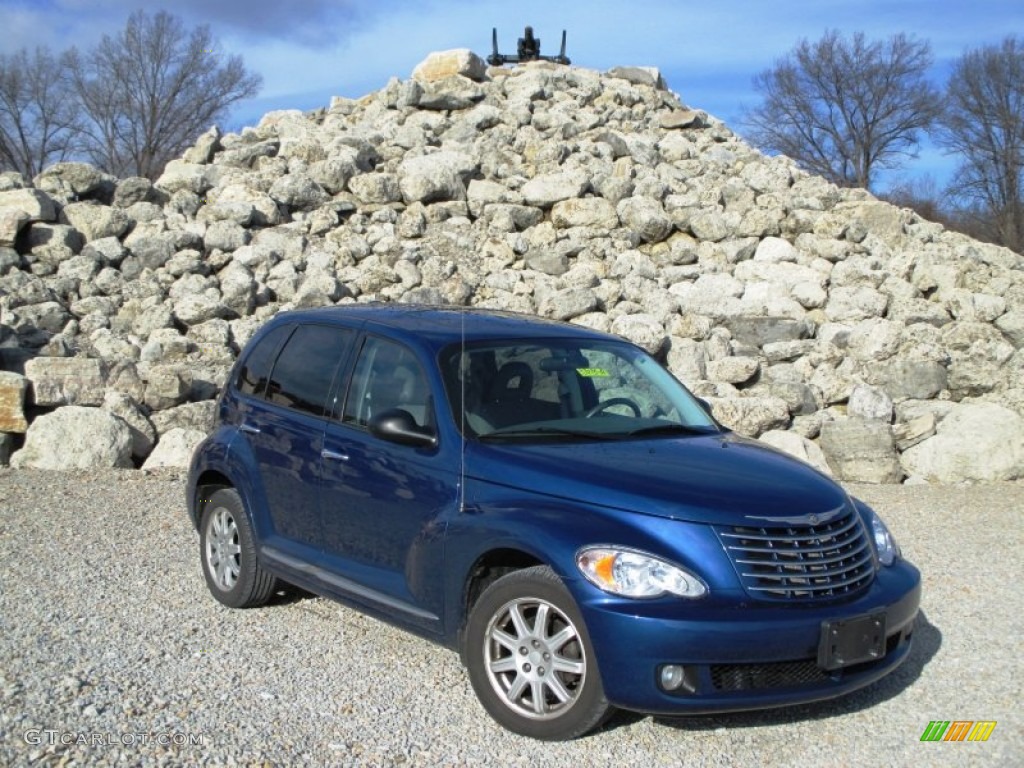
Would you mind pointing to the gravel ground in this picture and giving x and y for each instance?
(112, 649)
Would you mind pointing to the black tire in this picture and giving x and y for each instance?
(560, 701)
(227, 551)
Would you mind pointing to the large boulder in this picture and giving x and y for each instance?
(453, 92)
(975, 442)
(442, 64)
(174, 449)
(75, 437)
(34, 203)
(750, 416)
(298, 192)
(584, 212)
(798, 447)
(142, 431)
(72, 179)
(548, 189)
(96, 221)
(12, 219)
(434, 177)
(187, 416)
(12, 402)
(66, 380)
(646, 217)
(861, 451)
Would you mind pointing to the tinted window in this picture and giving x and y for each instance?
(255, 371)
(387, 376)
(305, 368)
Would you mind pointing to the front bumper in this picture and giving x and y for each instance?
(751, 655)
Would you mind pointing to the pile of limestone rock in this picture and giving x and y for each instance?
(837, 327)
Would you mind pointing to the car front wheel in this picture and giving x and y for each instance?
(227, 550)
(530, 659)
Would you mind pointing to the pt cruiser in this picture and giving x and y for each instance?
(550, 502)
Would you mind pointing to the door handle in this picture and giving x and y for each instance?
(245, 427)
(328, 454)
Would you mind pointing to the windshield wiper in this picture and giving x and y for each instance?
(548, 432)
(672, 429)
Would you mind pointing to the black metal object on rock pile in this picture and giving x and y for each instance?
(528, 49)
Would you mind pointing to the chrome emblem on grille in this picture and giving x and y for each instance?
(812, 519)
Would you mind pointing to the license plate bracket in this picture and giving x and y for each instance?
(851, 641)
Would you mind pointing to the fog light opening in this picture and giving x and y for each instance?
(671, 677)
(678, 679)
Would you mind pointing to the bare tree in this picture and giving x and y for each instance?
(984, 124)
(39, 123)
(921, 194)
(845, 108)
(152, 89)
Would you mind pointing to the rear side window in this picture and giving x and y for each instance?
(305, 369)
(255, 371)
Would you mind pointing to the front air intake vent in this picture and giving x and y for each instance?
(801, 562)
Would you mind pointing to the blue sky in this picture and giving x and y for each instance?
(310, 50)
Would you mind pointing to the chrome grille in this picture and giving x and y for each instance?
(800, 562)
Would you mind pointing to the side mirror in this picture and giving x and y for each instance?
(398, 426)
(705, 405)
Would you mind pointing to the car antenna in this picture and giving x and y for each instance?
(462, 407)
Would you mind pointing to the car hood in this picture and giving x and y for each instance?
(719, 479)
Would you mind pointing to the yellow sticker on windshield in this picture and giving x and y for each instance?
(592, 373)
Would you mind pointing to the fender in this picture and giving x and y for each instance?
(220, 453)
(552, 530)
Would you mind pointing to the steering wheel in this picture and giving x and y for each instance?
(600, 407)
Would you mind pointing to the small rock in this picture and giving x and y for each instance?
(649, 76)
(868, 402)
(682, 118)
(914, 431)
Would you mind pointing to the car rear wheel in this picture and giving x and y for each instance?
(227, 550)
(530, 658)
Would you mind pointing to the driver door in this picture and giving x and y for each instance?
(383, 505)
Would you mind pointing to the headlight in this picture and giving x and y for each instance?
(885, 545)
(635, 574)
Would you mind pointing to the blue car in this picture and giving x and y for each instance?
(550, 502)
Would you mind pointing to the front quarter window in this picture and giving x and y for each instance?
(388, 376)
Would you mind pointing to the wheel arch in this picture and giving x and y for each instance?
(210, 481)
(485, 570)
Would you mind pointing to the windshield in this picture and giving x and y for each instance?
(557, 389)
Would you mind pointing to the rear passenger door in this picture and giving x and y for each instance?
(284, 427)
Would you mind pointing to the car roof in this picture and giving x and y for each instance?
(439, 326)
